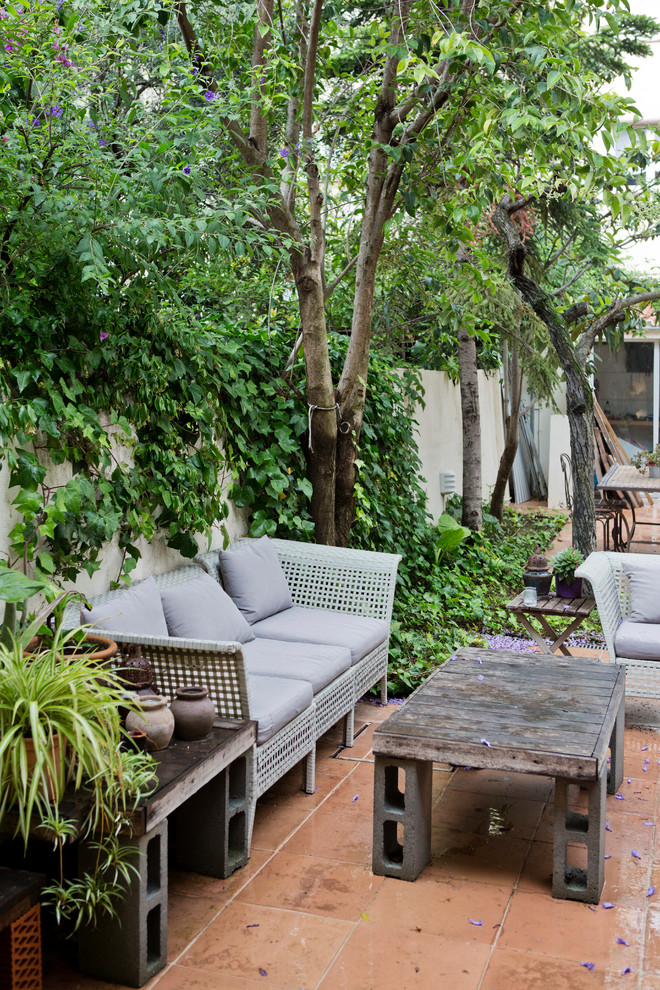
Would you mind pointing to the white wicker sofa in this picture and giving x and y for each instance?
(626, 587)
(295, 688)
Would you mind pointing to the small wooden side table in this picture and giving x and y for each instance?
(572, 610)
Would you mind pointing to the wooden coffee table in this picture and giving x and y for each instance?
(505, 711)
(572, 612)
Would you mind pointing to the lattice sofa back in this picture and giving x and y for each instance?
(360, 582)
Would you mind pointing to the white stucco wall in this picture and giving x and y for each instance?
(440, 437)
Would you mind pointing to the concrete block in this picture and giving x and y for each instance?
(571, 882)
(131, 948)
(402, 817)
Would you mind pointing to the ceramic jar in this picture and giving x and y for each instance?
(154, 718)
(193, 711)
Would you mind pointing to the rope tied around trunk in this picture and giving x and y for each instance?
(311, 410)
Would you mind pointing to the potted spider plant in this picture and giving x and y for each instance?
(564, 565)
(60, 729)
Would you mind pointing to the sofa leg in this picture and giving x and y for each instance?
(349, 727)
(309, 772)
(383, 690)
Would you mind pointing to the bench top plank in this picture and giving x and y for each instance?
(537, 714)
(553, 605)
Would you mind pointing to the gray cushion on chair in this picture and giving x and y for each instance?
(321, 625)
(643, 573)
(638, 640)
(200, 609)
(138, 609)
(253, 576)
(275, 701)
(318, 664)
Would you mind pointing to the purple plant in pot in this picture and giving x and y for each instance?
(564, 564)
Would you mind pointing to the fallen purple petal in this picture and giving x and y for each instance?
(355, 798)
(630, 780)
(607, 856)
(592, 908)
(608, 827)
(607, 905)
(588, 965)
(619, 797)
(651, 891)
(626, 970)
(479, 660)
(649, 824)
(255, 925)
(644, 748)
(644, 769)
(480, 677)
(635, 854)
(621, 941)
(262, 972)
(477, 923)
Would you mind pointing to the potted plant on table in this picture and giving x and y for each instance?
(648, 459)
(564, 565)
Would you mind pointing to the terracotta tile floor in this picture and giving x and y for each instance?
(307, 912)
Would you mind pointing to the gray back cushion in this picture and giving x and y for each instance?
(138, 609)
(253, 576)
(200, 609)
(643, 572)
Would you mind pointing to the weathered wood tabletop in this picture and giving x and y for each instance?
(522, 712)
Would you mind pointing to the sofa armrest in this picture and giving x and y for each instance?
(599, 570)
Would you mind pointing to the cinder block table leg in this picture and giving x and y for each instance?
(402, 817)
(572, 882)
(132, 947)
(211, 829)
(615, 774)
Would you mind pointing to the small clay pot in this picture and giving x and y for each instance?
(154, 718)
(194, 713)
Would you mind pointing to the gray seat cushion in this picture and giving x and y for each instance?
(313, 662)
(253, 576)
(643, 573)
(138, 609)
(276, 701)
(200, 609)
(320, 625)
(638, 640)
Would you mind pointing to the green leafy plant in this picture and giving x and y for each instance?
(565, 562)
(647, 458)
(59, 728)
(450, 535)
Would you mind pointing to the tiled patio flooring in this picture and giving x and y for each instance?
(307, 912)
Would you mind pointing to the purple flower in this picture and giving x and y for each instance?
(186, 169)
(635, 854)
(589, 966)
(59, 5)
(262, 972)
(103, 143)
(209, 96)
(644, 748)
(484, 742)
(607, 905)
(284, 152)
(478, 924)
(36, 122)
(608, 827)
(621, 941)
(626, 970)
(480, 677)
(355, 798)
(103, 335)
(619, 797)
(55, 111)
(650, 892)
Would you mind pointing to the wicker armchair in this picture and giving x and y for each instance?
(611, 589)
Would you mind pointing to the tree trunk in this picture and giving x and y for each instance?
(467, 361)
(321, 449)
(511, 436)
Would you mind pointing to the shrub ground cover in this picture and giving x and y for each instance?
(461, 600)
